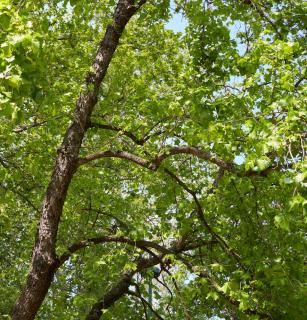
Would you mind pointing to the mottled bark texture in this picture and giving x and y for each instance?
(44, 261)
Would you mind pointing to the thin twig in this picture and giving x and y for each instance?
(147, 304)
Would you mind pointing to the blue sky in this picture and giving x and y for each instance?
(177, 23)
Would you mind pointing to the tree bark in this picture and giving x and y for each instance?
(44, 260)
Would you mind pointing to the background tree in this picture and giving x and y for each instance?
(190, 156)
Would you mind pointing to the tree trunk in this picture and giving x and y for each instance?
(44, 260)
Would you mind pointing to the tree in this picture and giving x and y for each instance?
(179, 150)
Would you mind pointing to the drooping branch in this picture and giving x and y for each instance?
(199, 209)
(44, 262)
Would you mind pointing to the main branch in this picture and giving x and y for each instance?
(105, 239)
(44, 262)
(157, 161)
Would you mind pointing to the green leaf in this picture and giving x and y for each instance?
(212, 295)
(282, 222)
(5, 20)
(130, 266)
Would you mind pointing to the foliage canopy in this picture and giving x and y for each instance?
(190, 158)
